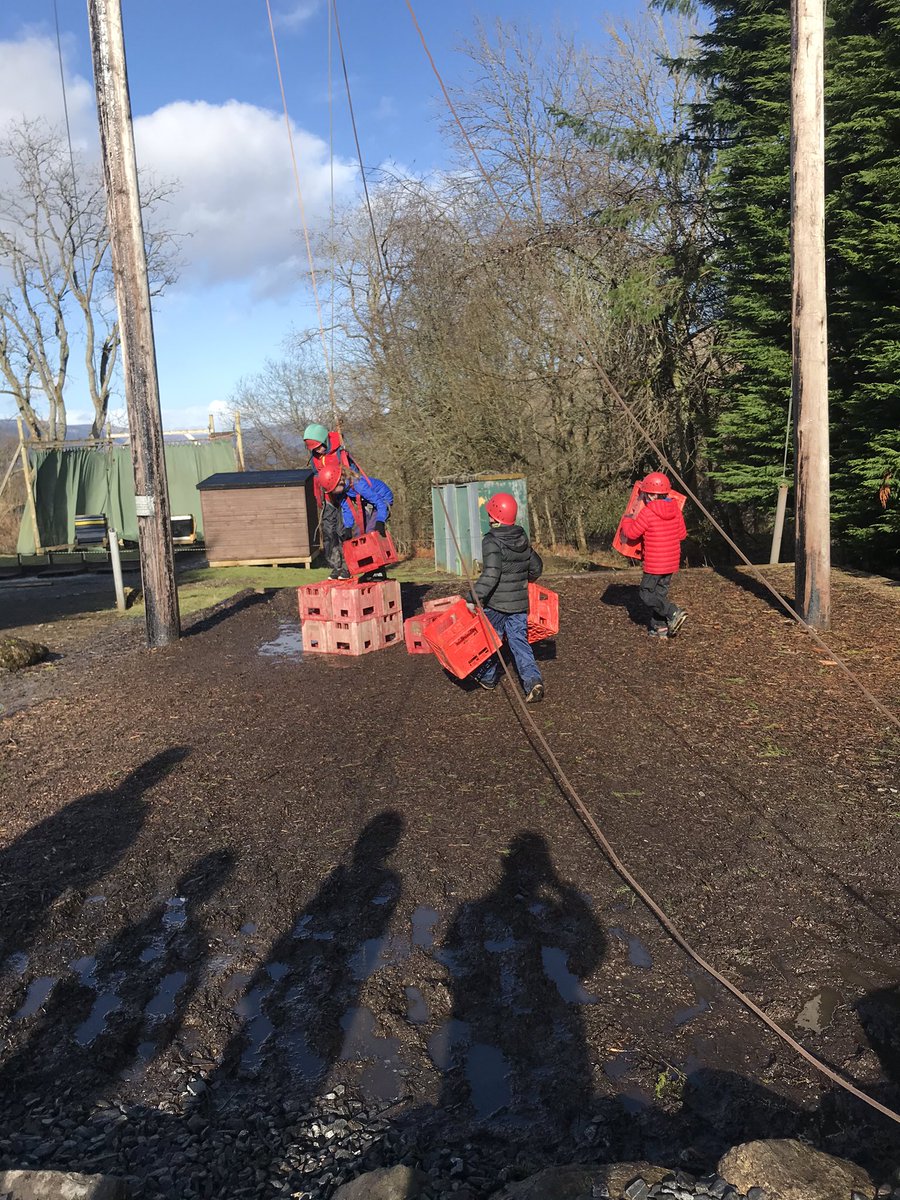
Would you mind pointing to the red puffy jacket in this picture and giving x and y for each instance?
(662, 527)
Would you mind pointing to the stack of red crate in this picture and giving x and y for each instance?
(349, 617)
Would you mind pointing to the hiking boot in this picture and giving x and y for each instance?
(661, 634)
(536, 694)
(675, 622)
(486, 684)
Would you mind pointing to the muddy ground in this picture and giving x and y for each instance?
(233, 879)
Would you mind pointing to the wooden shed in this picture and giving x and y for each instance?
(253, 518)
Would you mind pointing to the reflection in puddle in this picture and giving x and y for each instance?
(163, 1003)
(818, 1012)
(376, 953)
(302, 930)
(638, 954)
(487, 1073)
(37, 993)
(424, 920)
(87, 1031)
(382, 1080)
(569, 985)
(257, 1026)
(175, 916)
(417, 1011)
(444, 1042)
(288, 644)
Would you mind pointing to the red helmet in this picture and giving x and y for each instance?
(329, 476)
(656, 482)
(502, 507)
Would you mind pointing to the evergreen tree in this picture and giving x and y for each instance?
(745, 62)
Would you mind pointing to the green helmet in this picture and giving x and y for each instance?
(317, 434)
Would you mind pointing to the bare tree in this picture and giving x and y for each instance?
(56, 287)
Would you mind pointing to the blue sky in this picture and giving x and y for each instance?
(208, 113)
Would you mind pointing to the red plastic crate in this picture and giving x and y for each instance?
(414, 633)
(354, 601)
(314, 600)
(369, 552)
(631, 549)
(543, 613)
(391, 629)
(389, 591)
(441, 604)
(356, 637)
(317, 636)
(461, 640)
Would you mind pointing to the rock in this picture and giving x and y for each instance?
(16, 653)
(581, 1180)
(791, 1170)
(386, 1183)
(58, 1185)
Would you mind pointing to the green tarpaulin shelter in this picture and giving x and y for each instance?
(89, 480)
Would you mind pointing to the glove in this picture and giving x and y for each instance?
(379, 528)
(346, 535)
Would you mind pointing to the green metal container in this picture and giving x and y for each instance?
(464, 498)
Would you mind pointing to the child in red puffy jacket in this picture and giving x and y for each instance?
(660, 525)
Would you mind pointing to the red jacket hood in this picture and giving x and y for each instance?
(667, 510)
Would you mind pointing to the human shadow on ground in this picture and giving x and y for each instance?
(513, 1052)
(51, 864)
(748, 582)
(626, 595)
(124, 1004)
(209, 618)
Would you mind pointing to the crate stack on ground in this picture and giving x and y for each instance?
(349, 616)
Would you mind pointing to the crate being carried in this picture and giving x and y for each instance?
(370, 552)
(461, 640)
(543, 613)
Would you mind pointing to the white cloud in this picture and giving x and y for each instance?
(235, 197)
(295, 18)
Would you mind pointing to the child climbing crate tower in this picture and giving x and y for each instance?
(348, 616)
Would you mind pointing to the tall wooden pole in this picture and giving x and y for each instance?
(809, 323)
(135, 321)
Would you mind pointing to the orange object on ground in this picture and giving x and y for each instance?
(356, 637)
(355, 601)
(369, 552)
(461, 640)
(635, 504)
(391, 629)
(543, 613)
(314, 600)
(414, 633)
(317, 637)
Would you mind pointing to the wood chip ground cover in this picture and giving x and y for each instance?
(278, 874)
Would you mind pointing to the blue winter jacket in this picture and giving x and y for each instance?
(374, 492)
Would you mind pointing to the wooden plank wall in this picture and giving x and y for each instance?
(245, 523)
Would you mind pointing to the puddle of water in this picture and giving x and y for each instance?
(380, 1083)
(277, 971)
(302, 930)
(381, 1080)
(95, 900)
(163, 1003)
(424, 920)
(287, 645)
(568, 985)
(219, 964)
(299, 1057)
(818, 1012)
(38, 991)
(386, 895)
(84, 968)
(17, 964)
(445, 1041)
(684, 1015)
(376, 953)
(249, 928)
(152, 952)
(257, 1026)
(638, 954)
(175, 916)
(500, 945)
(95, 1024)
(487, 1072)
(417, 1010)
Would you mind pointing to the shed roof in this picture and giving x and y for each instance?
(228, 480)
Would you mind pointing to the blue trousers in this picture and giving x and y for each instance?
(513, 627)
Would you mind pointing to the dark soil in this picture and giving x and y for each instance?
(225, 863)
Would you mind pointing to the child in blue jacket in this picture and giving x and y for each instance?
(375, 499)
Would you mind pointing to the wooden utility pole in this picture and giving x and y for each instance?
(135, 321)
(809, 321)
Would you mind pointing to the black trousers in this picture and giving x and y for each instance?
(654, 593)
(332, 527)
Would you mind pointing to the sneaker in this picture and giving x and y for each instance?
(675, 622)
(536, 695)
(335, 575)
(486, 684)
(661, 634)
(342, 575)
